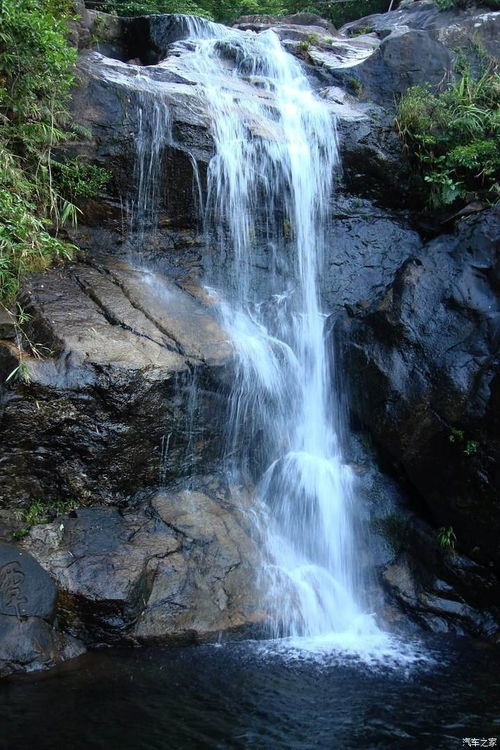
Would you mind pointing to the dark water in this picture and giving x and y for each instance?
(237, 696)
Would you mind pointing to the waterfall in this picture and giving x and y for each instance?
(266, 215)
(269, 197)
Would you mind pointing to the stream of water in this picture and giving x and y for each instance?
(268, 202)
(269, 192)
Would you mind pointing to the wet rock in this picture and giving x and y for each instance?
(7, 324)
(453, 26)
(422, 364)
(365, 247)
(121, 365)
(29, 636)
(405, 58)
(436, 604)
(182, 566)
(263, 22)
(109, 101)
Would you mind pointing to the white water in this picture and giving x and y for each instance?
(269, 194)
(267, 217)
(154, 133)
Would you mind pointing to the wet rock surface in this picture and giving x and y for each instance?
(179, 566)
(422, 365)
(111, 357)
(365, 251)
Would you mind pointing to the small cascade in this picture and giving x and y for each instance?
(154, 128)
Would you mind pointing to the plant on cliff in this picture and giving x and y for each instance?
(36, 72)
(453, 138)
(447, 539)
(43, 511)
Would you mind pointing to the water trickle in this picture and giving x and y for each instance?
(154, 128)
(269, 197)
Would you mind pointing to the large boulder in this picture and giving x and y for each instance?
(407, 57)
(422, 366)
(462, 27)
(179, 566)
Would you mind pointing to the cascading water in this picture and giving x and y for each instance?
(269, 194)
(266, 215)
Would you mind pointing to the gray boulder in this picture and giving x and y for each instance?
(29, 636)
(180, 566)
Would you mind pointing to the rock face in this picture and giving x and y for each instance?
(365, 251)
(179, 567)
(29, 637)
(422, 362)
(112, 356)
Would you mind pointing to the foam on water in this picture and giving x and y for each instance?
(374, 650)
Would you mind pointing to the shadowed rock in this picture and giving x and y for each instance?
(29, 637)
(422, 360)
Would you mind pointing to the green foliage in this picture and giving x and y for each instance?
(469, 447)
(227, 11)
(146, 7)
(43, 511)
(78, 179)
(447, 539)
(355, 86)
(453, 138)
(21, 371)
(452, 4)
(361, 30)
(36, 72)
(337, 12)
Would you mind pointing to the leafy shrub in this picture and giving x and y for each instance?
(447, 539)
(453, 138)
(338, 12)
(36, 72)
(146, 7)
(227, 11)
(78, 179)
